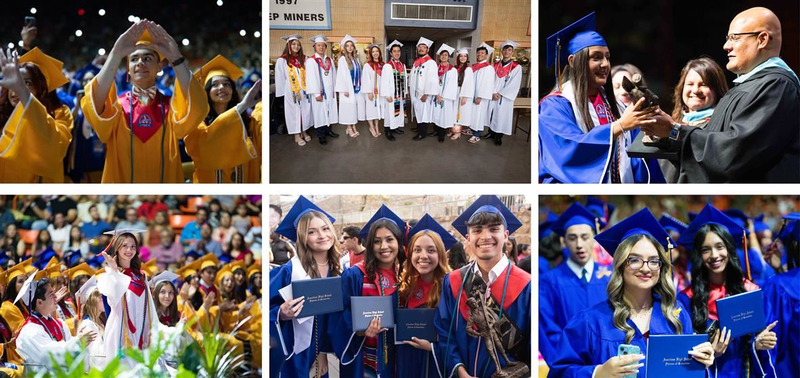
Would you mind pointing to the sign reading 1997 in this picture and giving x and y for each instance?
(300, 14)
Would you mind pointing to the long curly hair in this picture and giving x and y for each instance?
(370, 258)
(664, 288)
(410, 277)
(734, 277)
(304, 253)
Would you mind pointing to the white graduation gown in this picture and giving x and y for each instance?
(484, 88)
(466, 90)
(325, 112)
(424, 81)
(141, 309)
(351, 107)
(502, 110)
(370, 84)
(35, 345)
(97, 357)
(296, 109)
(387, 90)
(445, 115)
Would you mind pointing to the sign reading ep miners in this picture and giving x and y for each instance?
(300, 14)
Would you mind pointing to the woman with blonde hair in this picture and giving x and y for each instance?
(641, 303)
(420, 287)
(93, 315)
(348, 83)
(300, 347)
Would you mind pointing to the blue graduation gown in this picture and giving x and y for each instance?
(288, 364)
(456, 347)
(568, 155)
(413, 362)
(351, 352)
(562, 295)
(761, 273)
(782, 299)
(590, 339)
(729, 364)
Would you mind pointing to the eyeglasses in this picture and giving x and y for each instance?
(636, 263)
(736, 37)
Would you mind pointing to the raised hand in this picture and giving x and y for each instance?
(12, 78)
(126, 43)
(253, 96)
(27, 35)
(164, 42)
(61, 293)
(110, 262)
(208, 301)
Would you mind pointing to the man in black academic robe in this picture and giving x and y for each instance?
(754, 134)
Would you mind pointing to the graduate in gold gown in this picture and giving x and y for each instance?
(142, 128)
(36, 127)
(223, 146)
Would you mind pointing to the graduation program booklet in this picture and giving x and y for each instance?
(668, 356)
(322, 295)
(363, 309)
(742, 313)
(415, 322)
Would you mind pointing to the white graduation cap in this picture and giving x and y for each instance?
(28, 290)
(164, 276)
(424, 41)
(86, 290)
(374, 45)
(346, 38)
(445, 47)
(489, 49)
(463, 50)
(125, 230)
(319, 38)
(509, 42)
(394, 43)
(291, 37)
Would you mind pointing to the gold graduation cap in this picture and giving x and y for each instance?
(150, 268)
(51, 270)
(188, 270)
(12, 273)
(145, 41)
(28, 264)
(219, 66)
(236, 265)
(255, 268)
(50, 67)
(224, 271)
(79, 270)
(208, 261)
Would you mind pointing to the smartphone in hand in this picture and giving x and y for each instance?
(30, 21)
(626, 349)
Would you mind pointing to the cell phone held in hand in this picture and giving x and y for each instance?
(625, 350)
(30, 21)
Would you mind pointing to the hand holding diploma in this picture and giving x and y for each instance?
(290, 309)
(720, 341)
(703, 353)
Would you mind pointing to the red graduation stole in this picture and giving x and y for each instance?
(604, 115)
(421, 61)
(478, 66)
(51, 326)
(419, 297)
(517, 280)
(443, 69)
(137, 285)
(397, 66)
(209, 289)
(376, 67)
(321, 64)
(295, 61)
(146, 120)
(503, 71)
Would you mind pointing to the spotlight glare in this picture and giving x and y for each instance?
(242, 32)
(101, 12)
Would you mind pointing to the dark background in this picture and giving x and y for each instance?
(659, 37)
(211, 29)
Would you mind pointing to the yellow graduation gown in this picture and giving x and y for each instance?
(252, 169)
(227, 322)
(15, 319)
(186, 111)
(200, 317)
(221, 151)
(34, 143)
(255, 333)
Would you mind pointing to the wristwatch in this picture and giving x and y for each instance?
(675, 132)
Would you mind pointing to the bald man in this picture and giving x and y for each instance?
(754, 134)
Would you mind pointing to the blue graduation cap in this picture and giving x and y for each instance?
(738, 216)
(791, 229)
(72, 258)
(692, 215)
(96, 262)
(193, 254)
(225, 258)
(642, 222)
(44, 258)
(383, 213)
(487, 204)
(544, 227)
(600, 208)
(288, 226)
(573, 38)
(670, 223)
(759, 225)
(574, 215)
(4, 258)
(428, 223)
(711, 214)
